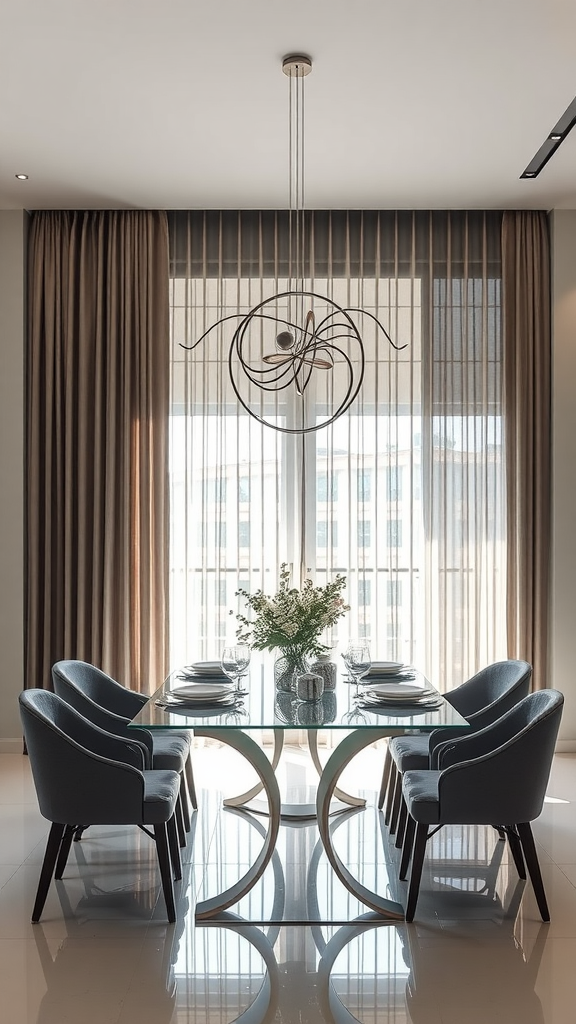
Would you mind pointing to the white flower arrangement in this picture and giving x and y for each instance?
(292, 620)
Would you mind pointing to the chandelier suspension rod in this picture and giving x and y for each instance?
(307, 339)
(296, 67)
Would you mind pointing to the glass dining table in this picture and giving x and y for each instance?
(265, 709)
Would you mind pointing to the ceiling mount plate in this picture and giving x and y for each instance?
(297, 65)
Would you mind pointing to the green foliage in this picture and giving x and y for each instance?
(292, 620)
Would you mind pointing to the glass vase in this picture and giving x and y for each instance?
(286, 668)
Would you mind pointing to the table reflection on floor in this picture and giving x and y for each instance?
(472, 925)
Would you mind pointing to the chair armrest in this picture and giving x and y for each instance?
(507, 784)
(103, 791)
(108, 745)
(106, 720)
(496, 788)
(444, 736)
(118, 726)
(479, 741)
(75, 782)
(460, 748)
(111, 723)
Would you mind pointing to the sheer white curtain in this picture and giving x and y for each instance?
(404, 493)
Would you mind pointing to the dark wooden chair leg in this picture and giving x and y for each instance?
(401, 823)
(416, 873)
(529, 850)
(391, 788)
(66, 843)
(190, 781)
(386, 772)
(180, 821)
(48, 864)
(174, 847)
(396, 803)
(184, 802)
(516, 850)
(407, 846)
(161, 836)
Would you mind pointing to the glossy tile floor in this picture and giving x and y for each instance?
(103, 953)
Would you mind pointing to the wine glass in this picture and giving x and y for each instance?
(236, 717)
(235, 661)
(358, 661)
(243, 660)
(355, 717)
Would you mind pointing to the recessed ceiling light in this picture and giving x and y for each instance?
(554, 137)
(21, 177)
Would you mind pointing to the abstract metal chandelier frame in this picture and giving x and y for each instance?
(303, 344)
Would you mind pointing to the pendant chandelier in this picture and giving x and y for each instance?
(295, 333)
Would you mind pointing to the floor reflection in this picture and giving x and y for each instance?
(453, 972)
(372, 973)
(365, 972)
(104, 954)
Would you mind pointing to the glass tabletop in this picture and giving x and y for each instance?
(265, 707)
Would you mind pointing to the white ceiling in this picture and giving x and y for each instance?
(181, 104)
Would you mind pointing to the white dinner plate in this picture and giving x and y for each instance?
(385, 668)
(202, 692)
(400, 691)
(206, 668)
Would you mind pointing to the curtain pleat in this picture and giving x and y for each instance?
(527, 362)
(97, 444)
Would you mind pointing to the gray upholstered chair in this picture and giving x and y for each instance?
(108, 704)
(481, 700)
(83, 774)
(495, 776)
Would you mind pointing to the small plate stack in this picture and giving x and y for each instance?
(400, 696)
(205, 671)
(198, 697)
(388, 670)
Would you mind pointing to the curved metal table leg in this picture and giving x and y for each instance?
(346, 798)
(342, 755)
(249, 749)
(293, 812)
(244, 798)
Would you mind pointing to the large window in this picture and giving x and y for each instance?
(404, 493)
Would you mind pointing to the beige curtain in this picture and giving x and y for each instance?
(527, 356)
(97, 431)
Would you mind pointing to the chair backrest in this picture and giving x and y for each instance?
(499, 775)
(81, 773)
(492, 691)
(95, 696)
(99, 687)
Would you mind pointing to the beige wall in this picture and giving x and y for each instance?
(563, 636)
(563, 605)
(12, 249)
